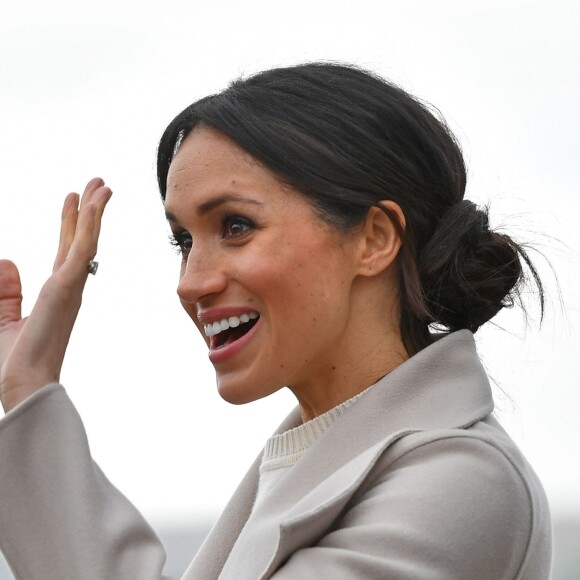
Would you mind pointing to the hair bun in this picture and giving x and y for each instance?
(467, 271)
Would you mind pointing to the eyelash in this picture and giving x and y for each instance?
(181, 240)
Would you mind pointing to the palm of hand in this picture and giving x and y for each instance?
(11, 321)
(32, 349)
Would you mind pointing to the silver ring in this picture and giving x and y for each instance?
(93, 267)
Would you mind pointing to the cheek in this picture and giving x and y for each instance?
(281, 274)
(307, 287)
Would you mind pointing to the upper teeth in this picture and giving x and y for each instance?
(216, 327)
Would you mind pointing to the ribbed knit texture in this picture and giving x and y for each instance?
(284, 450)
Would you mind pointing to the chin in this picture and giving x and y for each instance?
(236, 392)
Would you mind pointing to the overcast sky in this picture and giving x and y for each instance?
(87, 88)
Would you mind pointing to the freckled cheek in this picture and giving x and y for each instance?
(287, 278)
(260, 272)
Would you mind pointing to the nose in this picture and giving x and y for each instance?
(200, 278)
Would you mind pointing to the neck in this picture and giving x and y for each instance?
(341, 378)
(368, 348)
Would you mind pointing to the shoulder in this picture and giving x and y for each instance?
(449, 504)
(468, 492)
(484, 452)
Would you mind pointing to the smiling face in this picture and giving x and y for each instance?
(266, 281)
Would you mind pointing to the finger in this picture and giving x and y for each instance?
(83, 248)
(100, 199)
(67, 228)
(10, 293)
(92, 186)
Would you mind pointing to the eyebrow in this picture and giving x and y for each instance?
(212, 204)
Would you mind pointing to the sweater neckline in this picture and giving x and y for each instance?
(297, 440)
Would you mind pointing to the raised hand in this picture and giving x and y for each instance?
(32, 349)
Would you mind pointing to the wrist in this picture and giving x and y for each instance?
(12, 395)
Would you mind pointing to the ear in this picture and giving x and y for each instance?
(380, 240)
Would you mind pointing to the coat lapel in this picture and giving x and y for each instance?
(212, 555)
(443, 386)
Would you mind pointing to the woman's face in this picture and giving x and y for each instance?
(265, 280)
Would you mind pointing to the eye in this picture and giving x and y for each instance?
(181, 241)
(235, 227)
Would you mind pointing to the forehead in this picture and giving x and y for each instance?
(210, 169)
(208, 160)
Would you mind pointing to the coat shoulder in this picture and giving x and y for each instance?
(470, 488)
(444, 503)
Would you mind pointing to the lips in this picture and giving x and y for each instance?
(227, 344)
(229, 329)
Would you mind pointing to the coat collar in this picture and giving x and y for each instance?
(443, 386)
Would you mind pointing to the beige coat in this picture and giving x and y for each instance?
(415, 481)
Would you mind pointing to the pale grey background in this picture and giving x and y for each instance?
(87, 88)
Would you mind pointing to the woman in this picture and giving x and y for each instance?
(319, 211)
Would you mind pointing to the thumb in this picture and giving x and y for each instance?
(10, 293)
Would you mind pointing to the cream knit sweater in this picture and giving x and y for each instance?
(284, 450)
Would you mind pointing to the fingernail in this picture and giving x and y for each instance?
(103, 195)
(72, 199)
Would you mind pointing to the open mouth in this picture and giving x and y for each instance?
(224, 332)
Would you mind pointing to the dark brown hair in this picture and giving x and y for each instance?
(347, 139)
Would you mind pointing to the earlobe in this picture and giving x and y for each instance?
(381, 238)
